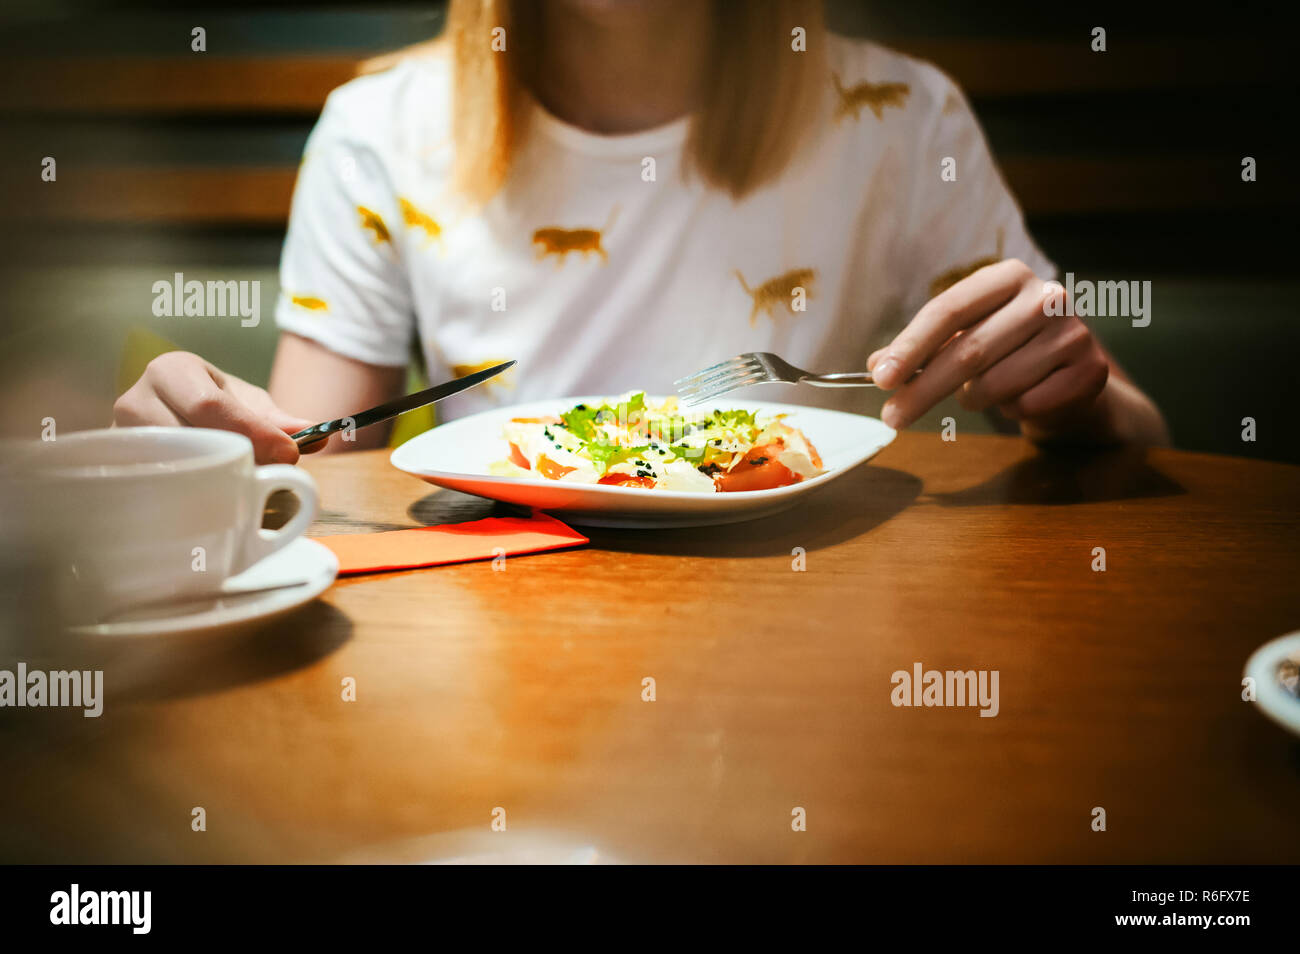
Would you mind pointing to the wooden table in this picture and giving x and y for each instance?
(522, 689)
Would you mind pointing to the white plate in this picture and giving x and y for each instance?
(1276, 703)
(459, 454)
(302, 560)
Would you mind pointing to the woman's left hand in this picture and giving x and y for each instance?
(989, 339)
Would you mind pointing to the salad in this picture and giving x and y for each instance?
(627, 442)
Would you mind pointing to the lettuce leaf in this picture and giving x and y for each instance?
(581, 420)
(606, 455)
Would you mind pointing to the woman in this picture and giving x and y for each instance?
(618, 193)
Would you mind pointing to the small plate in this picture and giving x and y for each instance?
(1276, 703)
(303, 559)
(459, 454)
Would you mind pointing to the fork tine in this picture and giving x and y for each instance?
(723, 378)
(718, 380)
(703, 400)
(713, 367)
(733, 369)
(723, 368)
(722, 387)
(721, 384)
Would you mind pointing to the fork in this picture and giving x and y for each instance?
(760, 367)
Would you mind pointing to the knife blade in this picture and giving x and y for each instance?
(401, 405)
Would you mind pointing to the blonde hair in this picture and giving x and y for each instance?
(759, 97)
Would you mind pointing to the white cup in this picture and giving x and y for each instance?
(132, 515)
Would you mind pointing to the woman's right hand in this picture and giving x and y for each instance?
(181, 389)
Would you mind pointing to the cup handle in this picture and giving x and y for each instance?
(261, 543)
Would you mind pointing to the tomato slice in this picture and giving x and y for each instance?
(517, 457)
(627, 480)
(550, 469)
(760, 470)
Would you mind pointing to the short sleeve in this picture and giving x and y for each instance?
(962, 214)
(343, 283)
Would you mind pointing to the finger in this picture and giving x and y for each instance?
(1056, 345)
(1061, 391)
(287, 422)
(944, 315)
(292, 425)
(196, 397)
(215, 373)
(967, 356)
(259, 402)
(143, 408)
(876, 355)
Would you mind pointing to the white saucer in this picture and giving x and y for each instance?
(303, 559)
(1275, 702)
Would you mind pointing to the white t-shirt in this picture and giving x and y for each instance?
(670, 275)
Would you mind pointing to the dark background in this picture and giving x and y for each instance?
(1127, 164)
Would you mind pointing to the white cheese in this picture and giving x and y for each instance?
(682, 475)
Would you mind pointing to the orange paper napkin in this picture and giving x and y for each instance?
(449, 543)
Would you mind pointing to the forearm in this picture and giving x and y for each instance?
(309, 380)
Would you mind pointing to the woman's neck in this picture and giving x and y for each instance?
(619, 67)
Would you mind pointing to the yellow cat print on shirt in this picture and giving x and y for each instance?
(416, 219)
(310, 303)
(954, 275)
(875, 96)
(504, 380)
(375, 223)
(778, 291)
(560, 242)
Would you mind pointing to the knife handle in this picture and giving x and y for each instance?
(318, 432)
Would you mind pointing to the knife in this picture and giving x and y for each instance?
(396, 406)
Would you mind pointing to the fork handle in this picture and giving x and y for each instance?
(842, 379)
